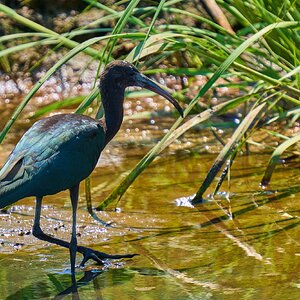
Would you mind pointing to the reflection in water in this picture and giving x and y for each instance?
(63, 287)
(73, 289)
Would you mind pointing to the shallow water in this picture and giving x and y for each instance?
(244, 247)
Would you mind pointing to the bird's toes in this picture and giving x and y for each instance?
(96, 258)
(90, 254)
(100, 257)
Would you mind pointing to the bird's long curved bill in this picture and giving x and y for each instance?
(148, 84)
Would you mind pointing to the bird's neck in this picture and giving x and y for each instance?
(112, 99)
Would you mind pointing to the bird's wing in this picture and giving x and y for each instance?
(44, 140)
(30, 148)
(10, 170)
(20, 167)
(52, 146)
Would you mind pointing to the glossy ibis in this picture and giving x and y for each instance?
(58, 152)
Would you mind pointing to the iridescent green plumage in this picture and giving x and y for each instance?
(55, 154)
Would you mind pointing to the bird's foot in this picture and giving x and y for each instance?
(98, 256)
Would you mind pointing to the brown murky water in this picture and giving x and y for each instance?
(185, 253)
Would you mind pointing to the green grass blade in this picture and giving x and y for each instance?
(119, 27)
(22, 47)
(22, 35)
(137, 54)
(277, 83)
(153, 45)
(76, 32)
(227, 151)
(57, 105)
(275, 158)
(87, 101)
(284, 115)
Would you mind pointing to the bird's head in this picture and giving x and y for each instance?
(123, 74)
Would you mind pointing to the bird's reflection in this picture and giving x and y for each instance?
(116, 274)
(84, 280)
(94, 278)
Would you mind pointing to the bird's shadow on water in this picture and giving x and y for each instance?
(73, 288)
(57, 281)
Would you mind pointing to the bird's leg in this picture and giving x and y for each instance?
(37, 231)
(73, 244)
(87, 253)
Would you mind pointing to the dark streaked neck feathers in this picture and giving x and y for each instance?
(112, 94)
